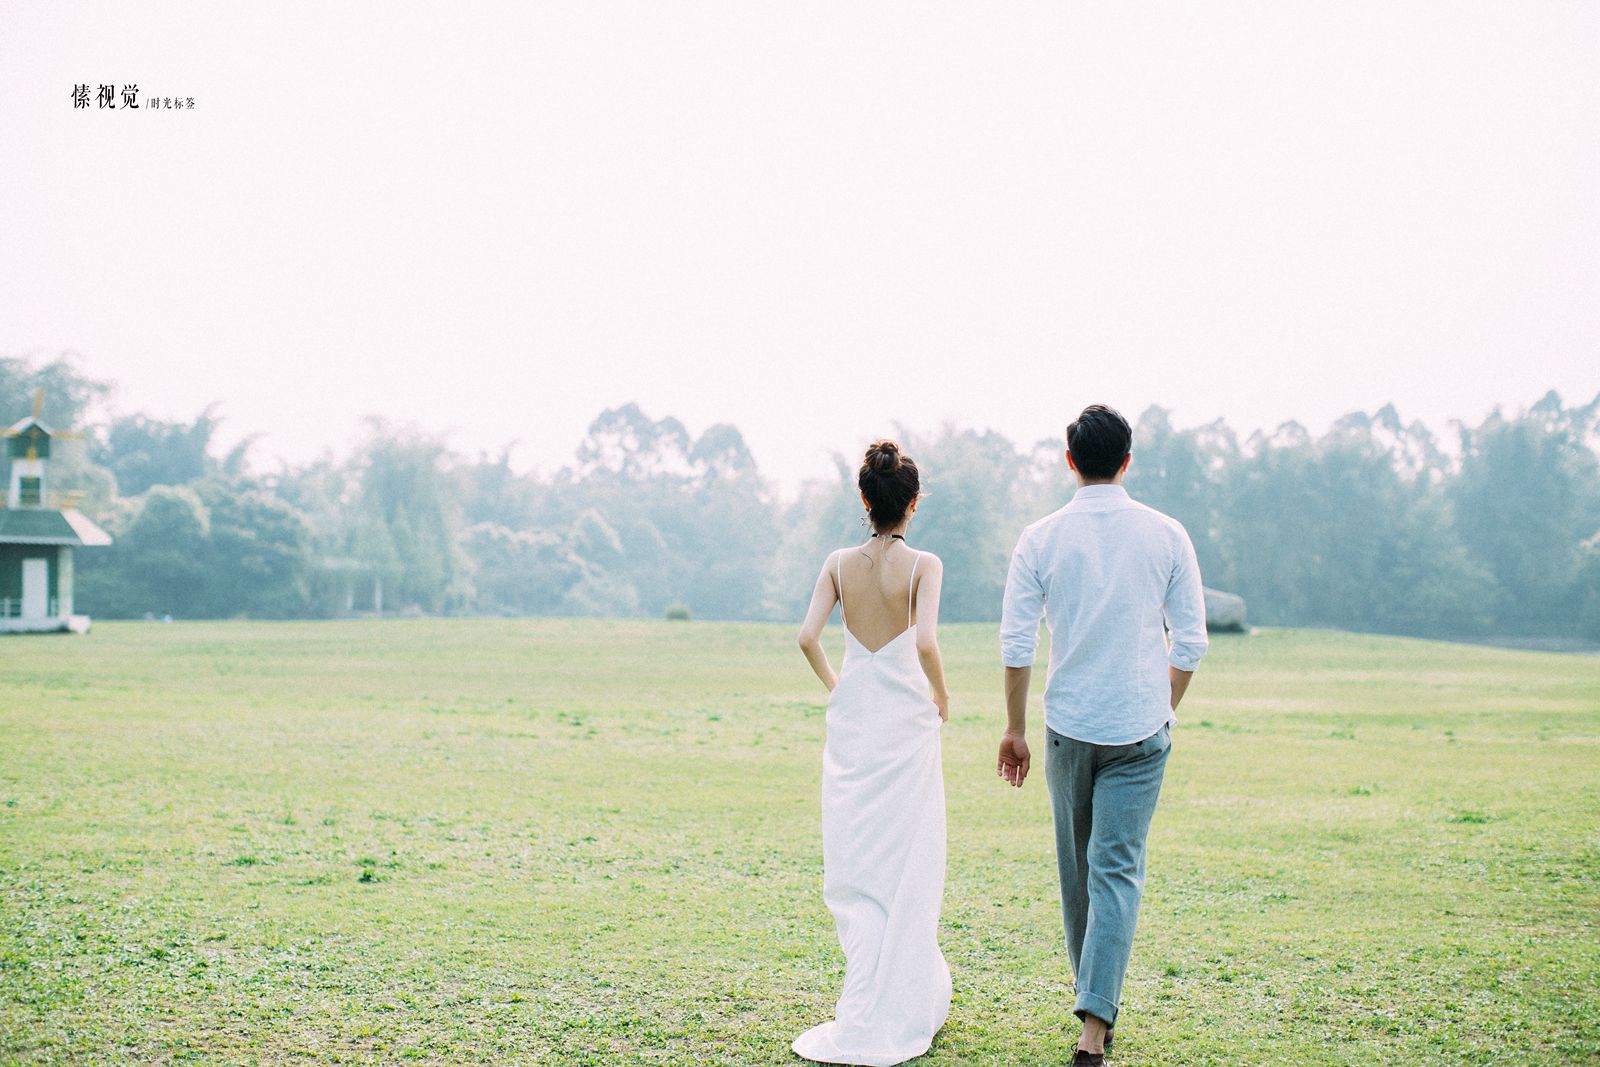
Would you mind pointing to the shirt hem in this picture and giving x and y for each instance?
(1170, 719)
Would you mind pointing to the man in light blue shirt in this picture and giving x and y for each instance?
(1112, 578)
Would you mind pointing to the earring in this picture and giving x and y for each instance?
(864, 522)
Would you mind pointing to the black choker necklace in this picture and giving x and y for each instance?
(897, 537)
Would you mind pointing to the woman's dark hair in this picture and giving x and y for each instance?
(1099, 440)
(889, 481)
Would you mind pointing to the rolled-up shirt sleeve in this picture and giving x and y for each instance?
(1021, 610)
(1185, 608)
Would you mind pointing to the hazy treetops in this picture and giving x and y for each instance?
(1374, 525)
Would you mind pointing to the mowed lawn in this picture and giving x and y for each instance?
(591, 842)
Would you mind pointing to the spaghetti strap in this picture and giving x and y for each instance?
(911, 590)
(838, 579)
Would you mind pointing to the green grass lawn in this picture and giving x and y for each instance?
(565, 842)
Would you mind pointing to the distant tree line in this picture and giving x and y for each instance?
(1374, 525)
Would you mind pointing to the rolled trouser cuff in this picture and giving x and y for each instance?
(1094, 1004)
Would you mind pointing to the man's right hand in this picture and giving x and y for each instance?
(1014, 758)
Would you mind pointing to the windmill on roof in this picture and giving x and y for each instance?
(38, 531)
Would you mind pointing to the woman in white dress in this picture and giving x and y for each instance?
(883, 819)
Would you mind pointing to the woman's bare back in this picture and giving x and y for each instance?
(878, 594)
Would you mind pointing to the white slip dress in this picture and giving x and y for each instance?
(883, 855)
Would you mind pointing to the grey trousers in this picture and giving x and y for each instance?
(1102, 798)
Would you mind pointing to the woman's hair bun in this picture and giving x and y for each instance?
(883, 456)
(889, 481)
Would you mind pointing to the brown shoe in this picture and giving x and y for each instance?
(1085, 1058)
(1109, 1034)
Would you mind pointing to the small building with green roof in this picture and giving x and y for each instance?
(38, 531)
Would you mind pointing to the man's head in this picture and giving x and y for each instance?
(1099, 442)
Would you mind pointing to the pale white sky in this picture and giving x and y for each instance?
(810, 220)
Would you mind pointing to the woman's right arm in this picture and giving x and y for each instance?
(927, 594)
(823, 597)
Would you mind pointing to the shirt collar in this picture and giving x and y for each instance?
(1108, 491)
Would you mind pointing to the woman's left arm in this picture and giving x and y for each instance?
(823, 597)
(929, 584)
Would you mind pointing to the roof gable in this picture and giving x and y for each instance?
(22, 425)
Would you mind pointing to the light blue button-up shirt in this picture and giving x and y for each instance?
(1106, 572)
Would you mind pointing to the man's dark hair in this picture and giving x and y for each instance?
(1099, 440)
